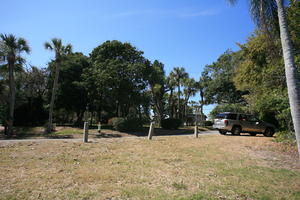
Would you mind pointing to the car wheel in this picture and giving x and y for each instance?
(236, 130)
(253, 134)
(269, 132)
(222, 132)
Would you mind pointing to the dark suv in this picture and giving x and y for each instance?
(237, 123)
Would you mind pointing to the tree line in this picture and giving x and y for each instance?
(116, 80)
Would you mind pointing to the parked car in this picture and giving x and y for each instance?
(237, 123)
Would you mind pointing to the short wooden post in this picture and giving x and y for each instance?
(196, 131)
(99, 127)
(151, 131)
(86, 132)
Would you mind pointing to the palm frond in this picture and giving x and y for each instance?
(57, 44)
(47, 45)
(23, 45)
(9, 40)
(68, 48)
(263, 12)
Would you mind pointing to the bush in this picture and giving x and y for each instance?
(285, 136)
(31, 113)
(127, 124)
(110, 121)
(208, 123)
(171, 123)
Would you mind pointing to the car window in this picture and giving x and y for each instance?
(231, 116)
(251, 118)
(221, 116)
(243, 117)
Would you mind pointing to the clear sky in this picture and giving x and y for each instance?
(187, 33)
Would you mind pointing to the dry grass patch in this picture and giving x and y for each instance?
(169, 167)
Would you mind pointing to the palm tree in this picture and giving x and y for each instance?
(263, 11)
(11, 48)
(190, 89)
(179, 74)
(170, 84)
(60, 52)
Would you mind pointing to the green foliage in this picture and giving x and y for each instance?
(117, 78)
(157, 81)
(217, 80)
(71, 94)
(31, 113)
(119, 123)
(126, 124)
(286, 136)
(293, 17)
(208, 123)
(171, 123)
(260, 74)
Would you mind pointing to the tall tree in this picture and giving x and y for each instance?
(263, 12)
(158, 88)
(117, 77)
(60, 52)
(179, 74)
(11, 48)
(217, 79)
(190, 89)
(170, 84)
(71, 94)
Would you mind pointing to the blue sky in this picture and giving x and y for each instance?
(187, 33)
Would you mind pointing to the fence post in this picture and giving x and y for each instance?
(151, 131)
(99, 127)
(196, 131)
(86, 132)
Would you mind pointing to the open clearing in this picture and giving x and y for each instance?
(168, 167)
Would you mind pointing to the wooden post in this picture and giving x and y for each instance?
(86, 132)
(151, 131)
(99, 127)
(196, 131)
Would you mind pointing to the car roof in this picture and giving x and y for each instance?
(234, 113)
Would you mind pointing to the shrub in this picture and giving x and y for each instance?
(118, 123)
(170, 123)
(208, 123)
(126, 124)
(110, 121)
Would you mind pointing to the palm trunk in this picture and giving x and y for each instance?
(12, 96)
(171, 103)
(291, 72)
(55, 84)
(201, 106)
(178, 111)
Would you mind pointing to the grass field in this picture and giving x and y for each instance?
(168, 167)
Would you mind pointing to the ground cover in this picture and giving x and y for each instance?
(168, 167)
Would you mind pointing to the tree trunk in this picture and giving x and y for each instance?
(201, 106)
(12, 96)
(171, 103)
(178, 111)
(291, 72)
(55, 84)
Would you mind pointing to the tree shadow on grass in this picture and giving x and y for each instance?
(107, 135)
(161, 132)
(59, 136)
(245, 135)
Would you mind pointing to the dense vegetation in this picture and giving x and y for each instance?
(116, 80)
(253, 79)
